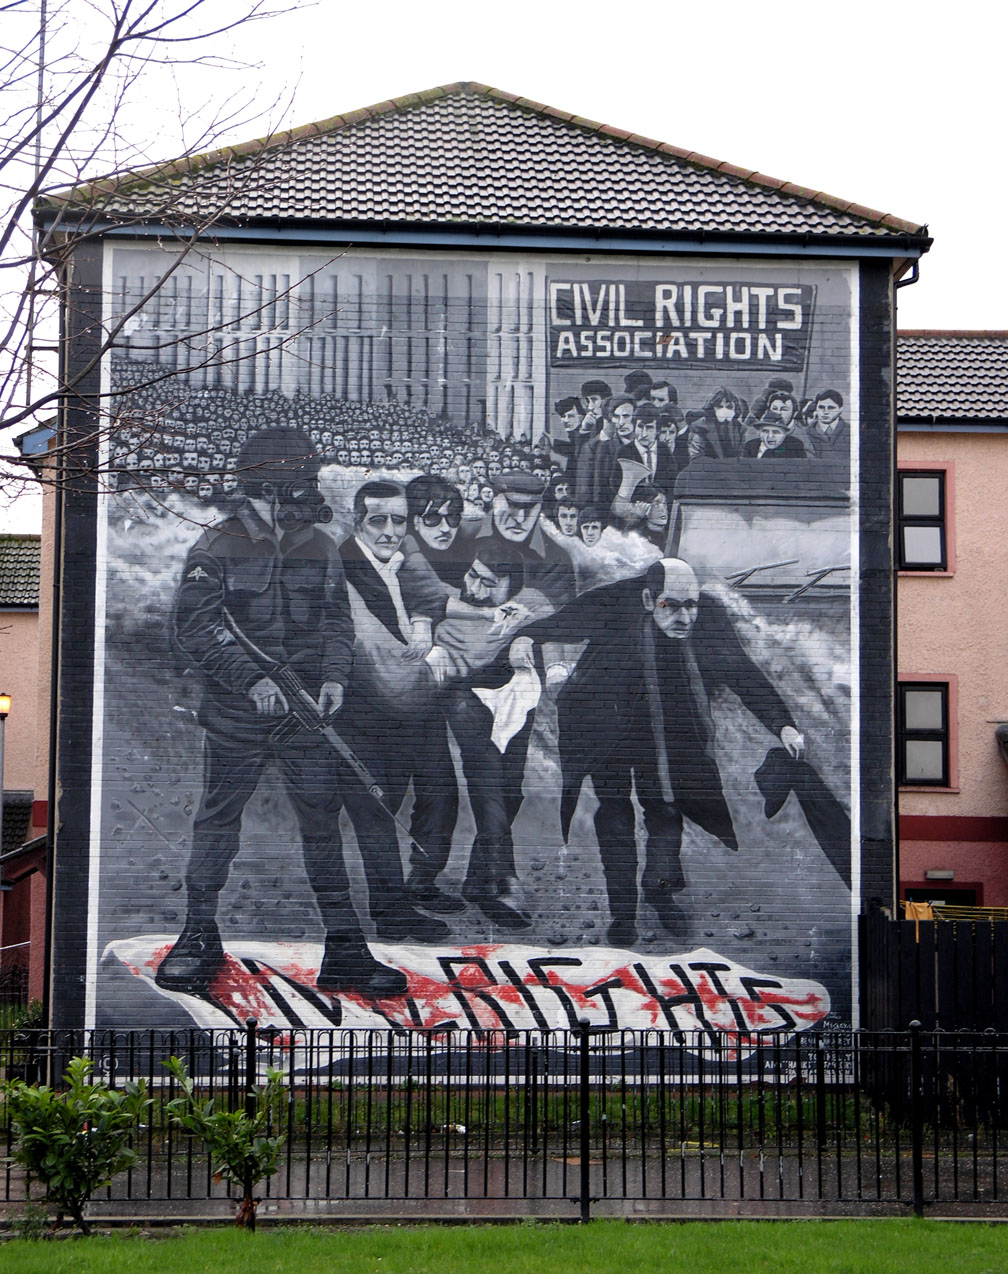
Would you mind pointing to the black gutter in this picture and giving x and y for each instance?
(267, 228)
(951, 424)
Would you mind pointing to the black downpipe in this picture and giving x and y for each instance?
(894, 462)
(912, 278)
(54, 660)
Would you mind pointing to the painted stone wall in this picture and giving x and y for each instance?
(477, 642)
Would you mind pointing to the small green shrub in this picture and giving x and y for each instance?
(28, 1017)
(32, 1222)
(76, 1140)
(21, 1017)
(237, 1141)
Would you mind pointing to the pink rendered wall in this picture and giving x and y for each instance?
(955, 623)
(985, 862)
(45, 617)
(36, 963)
(19, 679)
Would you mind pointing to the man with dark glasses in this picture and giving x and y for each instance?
(395, 603)
(434, 510)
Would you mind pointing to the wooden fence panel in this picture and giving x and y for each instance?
(946, 968)
(927, 990)
(950, 975)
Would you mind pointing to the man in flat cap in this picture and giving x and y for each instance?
(638, 385)
(513, 526)
(593, 395)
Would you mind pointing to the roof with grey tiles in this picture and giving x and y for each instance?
(952, 376)
(20, 558)
(17, 810)
(469, 154)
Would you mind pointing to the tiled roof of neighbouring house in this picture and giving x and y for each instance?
(17, 809)
(952, 376)
(20, 557)
(469, 154)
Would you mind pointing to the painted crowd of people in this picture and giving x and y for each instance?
(610, 459)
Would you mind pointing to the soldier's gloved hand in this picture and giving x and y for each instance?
(268, 698)
(794, 741)
(330, 698)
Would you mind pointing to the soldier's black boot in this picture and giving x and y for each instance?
(195, 958)
(348, 965)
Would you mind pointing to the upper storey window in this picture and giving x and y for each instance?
(921, 518)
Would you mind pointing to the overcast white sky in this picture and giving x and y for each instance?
(897, 109)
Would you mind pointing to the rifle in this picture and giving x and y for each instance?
(304, 711)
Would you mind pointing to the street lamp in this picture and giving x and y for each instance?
(5, 703)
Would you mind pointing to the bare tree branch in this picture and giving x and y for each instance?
(100, 56)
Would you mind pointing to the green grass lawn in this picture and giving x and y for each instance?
(603, 1247)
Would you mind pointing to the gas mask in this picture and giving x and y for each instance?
(299, 503)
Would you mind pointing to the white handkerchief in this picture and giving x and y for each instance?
(511, 705)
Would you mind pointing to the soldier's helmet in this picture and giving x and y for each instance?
(278, 457)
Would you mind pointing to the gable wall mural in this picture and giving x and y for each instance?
(476, 643)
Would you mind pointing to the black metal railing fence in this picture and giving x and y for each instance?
(578, 1118)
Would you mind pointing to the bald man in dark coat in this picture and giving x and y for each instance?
(636, 710)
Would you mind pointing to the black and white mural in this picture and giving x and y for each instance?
(476, 643)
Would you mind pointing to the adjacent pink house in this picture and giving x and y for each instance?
(951, 551)
(23, 860)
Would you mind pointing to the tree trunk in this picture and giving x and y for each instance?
(246, 1217)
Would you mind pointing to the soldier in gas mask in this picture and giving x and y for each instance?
(269, 575)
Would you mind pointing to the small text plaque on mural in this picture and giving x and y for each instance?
(692, 324)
